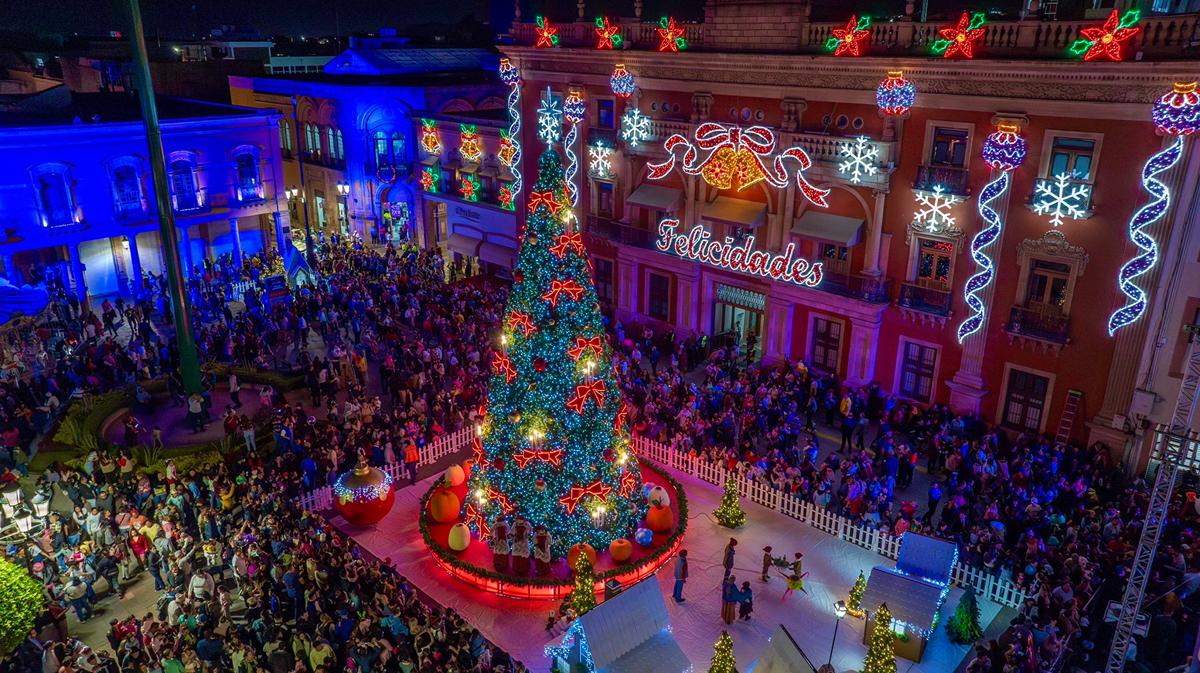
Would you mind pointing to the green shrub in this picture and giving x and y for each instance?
(20, 604)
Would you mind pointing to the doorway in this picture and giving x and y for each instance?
(738, 320)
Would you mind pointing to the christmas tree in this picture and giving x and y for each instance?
(729, 513)
(881, 657)
(854, 605)
(583, 596)
(554, 449)
(964, 627)
(722, 660)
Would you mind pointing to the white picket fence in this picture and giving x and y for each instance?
(986, 584)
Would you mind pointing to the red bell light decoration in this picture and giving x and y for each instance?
(363, 495)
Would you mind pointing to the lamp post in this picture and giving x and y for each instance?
(308, 245)
(343, 190)
(839, 609)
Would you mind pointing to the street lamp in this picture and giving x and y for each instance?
(343, 190)
(11, 492)
(839, 609)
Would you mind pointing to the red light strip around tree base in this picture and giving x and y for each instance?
(727, 254)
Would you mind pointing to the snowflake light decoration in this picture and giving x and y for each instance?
(469, 147)
(934, 211)
(670, 36)
(961, 38)
(1105, 42)
(550, 115)
(547, 33)
(635, 127)
(1063, 198)
(430, 142)
(608, 35)
(851, 40)
(600, 161)
(859, 158)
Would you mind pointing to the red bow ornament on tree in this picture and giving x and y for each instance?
(520, 319)
(629, 482)
(567, 242)
(544, 198)
(730, 156)
(577, 493)
(584, 391)
(552, 456)
(475, 518)
(504, 366)
(582, 344)
(559, 287)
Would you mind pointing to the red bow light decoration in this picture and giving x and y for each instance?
(559, 287)
(582, 344)
(567, 241)
(519, 319)
(583, 391)
(621, 416)
(577, 493)
(477, 455)
(504, 366)
(552, 456)
(737, 157)
(500, 499)
(544, 198)
(628, 482)
(475, 518)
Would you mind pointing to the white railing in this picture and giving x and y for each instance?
(986, 584)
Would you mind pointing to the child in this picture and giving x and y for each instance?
(767, 562)
(745, 602)
(794, 583)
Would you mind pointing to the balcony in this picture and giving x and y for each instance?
(857, 286)
(925, 304)
(951, 178)
(618, 232)
(1038, 327)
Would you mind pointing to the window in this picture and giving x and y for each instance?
(1071, 155)
(935, 263)
(826, 344)
(602, 278)
(1024, 400)
(658, 301)
(246, 179)
(606, 117)
(397, 149)
(312, 139)
(1048, 289)
(836, 258)
(604, 199)
(185, 192)
(949, 147)
(917, 366)
(52, 187)
(381, 149)
(285, 136)
(128, 194)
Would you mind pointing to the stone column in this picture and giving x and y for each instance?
(628, 292)
(793, 114)
(280, 230)
(776, 338)
(701, 106)
(185, 240)
(236, 236)
(135, 266)
(874, 236)
(77, 273)
(864, 337)
(686, 302)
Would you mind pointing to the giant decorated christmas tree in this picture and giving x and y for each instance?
(554, 450)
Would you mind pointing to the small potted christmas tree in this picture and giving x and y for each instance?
(881, 653)
(854, 605)
(722, 659)
(583, 596)
(964, 627)
(729, 513)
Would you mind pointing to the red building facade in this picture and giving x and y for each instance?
(894, 259)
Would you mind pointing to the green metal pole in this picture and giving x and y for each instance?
(189, 362)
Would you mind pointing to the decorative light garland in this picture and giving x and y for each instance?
(550, 114)
(851, 40)
(469, 147)
(737, 255)
(547, 33)
(430, 142)
(623, 84)
(895, 95)
(635, 127)
(961, 38)
(608, 35)
(1106, 42)
(372, 492)
(1003, 150)
(670, 35)
(510, 140)
(1175, 114)
(573, 111)
(737, 157)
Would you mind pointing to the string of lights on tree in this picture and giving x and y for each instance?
(1107, 42)
(510, 140)
(1003, 151)
(574, 109)
(895, 95)
(851, 40)
(1176, 114)
(962, 38)
(623, 84)
(608, 34)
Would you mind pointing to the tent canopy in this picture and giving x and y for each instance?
(656, 197)
(823, 226)
(738, 212)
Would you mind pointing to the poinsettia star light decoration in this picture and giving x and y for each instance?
(851, 40)
(505, 197)
(961, 38)
(1106, 42)
(547, 33)
(670, 35)
(608, 35)
(431, 179)
(623, 84)
(469, 187)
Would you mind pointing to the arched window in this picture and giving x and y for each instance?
(247, 180)
(314, 140)
(339, 150)
(285, 136)
(380, 142)
(397, 148)
(52, 189)
(330, 143)
(129, 194)
(185, 188)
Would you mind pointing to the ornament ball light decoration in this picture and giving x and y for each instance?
(895, 95)
(1176, 114)
(961, 38)
(1003, 150)
(1106, 42)
(670, 35)
(851, 40)
(608, 35)
(623, 84)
